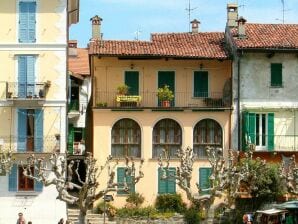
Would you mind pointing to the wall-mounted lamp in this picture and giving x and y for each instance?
(132, 66)
(201, 66)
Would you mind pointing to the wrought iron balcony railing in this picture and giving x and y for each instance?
(150, 100)
(31, 144)
(26, 90)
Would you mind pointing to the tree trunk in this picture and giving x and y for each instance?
(82, 218)
(210, 214)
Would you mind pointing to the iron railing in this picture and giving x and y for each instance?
(277, 142)
(26, 90)
(31, 144)
(148, 99)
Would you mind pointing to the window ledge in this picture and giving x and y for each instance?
(27, 193)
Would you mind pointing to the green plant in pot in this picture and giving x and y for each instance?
(122, 89)
(165, 95)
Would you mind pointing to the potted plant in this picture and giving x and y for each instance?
(122, 89)
(165, 95)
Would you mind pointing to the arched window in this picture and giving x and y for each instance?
(126, 139)
(166, 135)
(207, 132)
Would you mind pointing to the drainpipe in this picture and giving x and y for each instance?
(238, 102)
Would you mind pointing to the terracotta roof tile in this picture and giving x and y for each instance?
(181, 45)
(263, 36)
(79, 64)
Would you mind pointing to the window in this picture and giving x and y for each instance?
(122, 178)
(167, 136)
(167, 78)
(132, 81)
(201, 84)
(27, 22)
(276, 75)
(207, 132)
(258, 129)
(18, 182)
(168, 185)
(26, 76)
(76, 140)
(204, 182)
(126, 139)
(30, 130)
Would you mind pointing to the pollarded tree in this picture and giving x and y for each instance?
(61, 175)
(6, 160)
(227, 178)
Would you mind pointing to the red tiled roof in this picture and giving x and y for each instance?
(177, 45)
(79, 64)
(263, 36)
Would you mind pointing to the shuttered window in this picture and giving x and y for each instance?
(121, 178)
(18, 182)
(276, 75)
(26, 76)
(258, 129)
(30, 130)
(132, 81)
(204, 182)
(201, 84)
(167, 186)
(27, 22)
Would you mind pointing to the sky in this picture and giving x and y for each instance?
(137, 19)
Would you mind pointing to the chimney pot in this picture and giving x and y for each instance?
(72, 48)
(195, 26)
(96, 25)
(232, 14)
(241, 27)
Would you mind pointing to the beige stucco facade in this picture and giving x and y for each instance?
(188, 111)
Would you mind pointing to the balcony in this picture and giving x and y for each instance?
(280, 143)
(183, 100)
(26, 91)
(29, 144)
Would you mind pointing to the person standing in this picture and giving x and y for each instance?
(21, 219)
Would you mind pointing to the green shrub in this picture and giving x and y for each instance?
(191, 216)
(170, 203)
(99, 208)
(136, 212)
(135, 199)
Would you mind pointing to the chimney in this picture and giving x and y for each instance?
(72, 48)
(232, 13)
(96, 22)
(195, 26)
(241, 27)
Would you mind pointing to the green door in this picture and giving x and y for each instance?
(132, 81)
(167, 78)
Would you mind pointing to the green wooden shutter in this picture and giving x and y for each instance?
(276, 74)
(201, 84)
(132, 81)
(270, 131)
(70, 139)
(13, 178)
(162, 184)
(171, 182)
(204, 182)
(38, 185)
(252, 128)
(245, 125)
(120, 179)
(167, 78)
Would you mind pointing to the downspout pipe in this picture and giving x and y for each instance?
(238, 101)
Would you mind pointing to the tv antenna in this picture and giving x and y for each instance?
(189, 9)
(283, 11)
(137, 33)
